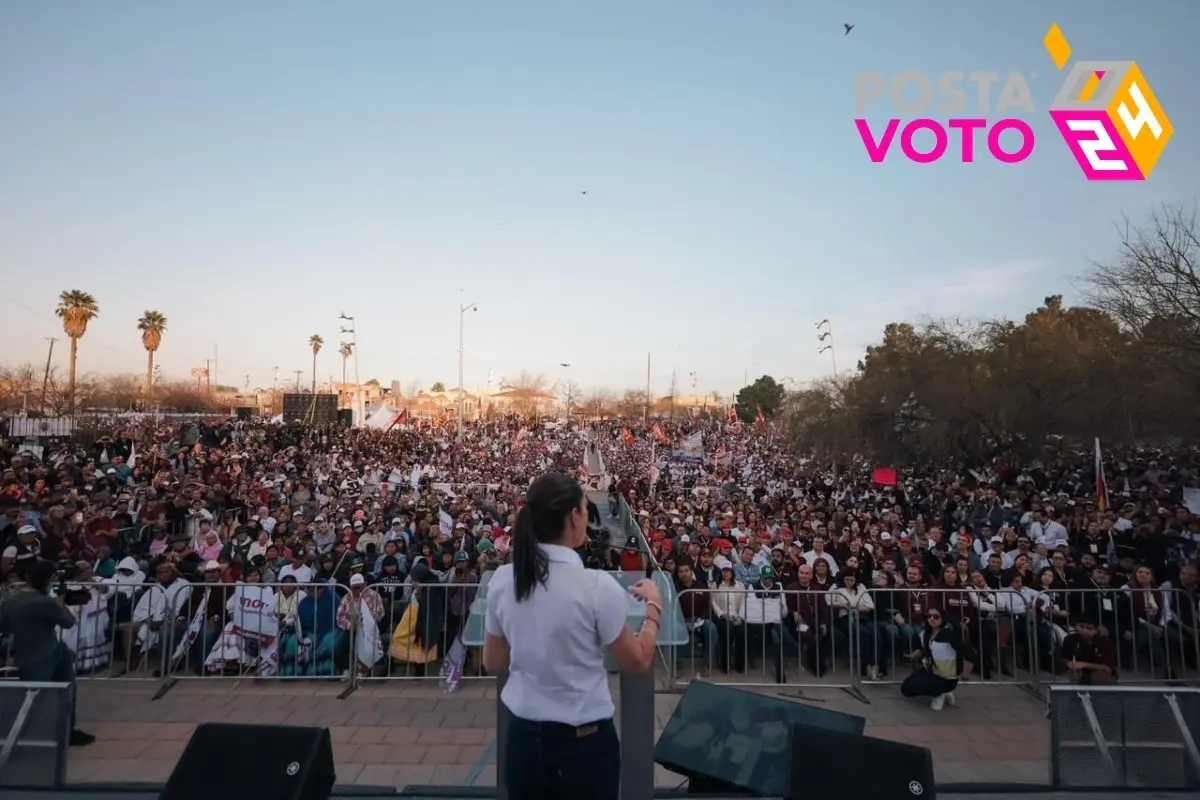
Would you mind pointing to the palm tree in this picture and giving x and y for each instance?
(315, 342)
(345, 350)
(152, 324)
(76, 309)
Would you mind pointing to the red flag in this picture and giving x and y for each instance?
(659, 436)
(885, 476)
(731, 413)
(399, 419)
(760, 422)
(627, 437)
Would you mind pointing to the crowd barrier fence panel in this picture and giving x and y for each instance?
(421, 627)
(1145, 653)
(764, 643)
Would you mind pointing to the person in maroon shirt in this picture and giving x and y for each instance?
(1088, 657)
(696, 604)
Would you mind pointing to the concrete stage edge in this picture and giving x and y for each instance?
(102, 792)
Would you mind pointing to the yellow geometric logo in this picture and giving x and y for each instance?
(1108, 115)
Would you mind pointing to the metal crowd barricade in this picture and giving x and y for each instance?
(1145, 652)
(424, 626)
(766, 638)
(815, 638)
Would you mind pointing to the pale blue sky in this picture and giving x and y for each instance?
(253, 168)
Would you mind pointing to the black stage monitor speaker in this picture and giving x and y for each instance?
(245, 413)
(831, 765)
(264, 762)
(733, 741)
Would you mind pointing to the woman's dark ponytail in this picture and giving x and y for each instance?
(530, 564)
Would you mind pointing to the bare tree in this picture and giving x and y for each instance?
(598, 403)
(571, 396)
(1152, 287)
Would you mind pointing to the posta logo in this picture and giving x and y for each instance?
(1108, 115)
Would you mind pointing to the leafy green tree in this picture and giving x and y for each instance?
(765, 395)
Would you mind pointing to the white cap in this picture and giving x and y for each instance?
(212, 566)
(885, 537)
(357, 580)
(685, 538)
(722, 562)
(26, 529)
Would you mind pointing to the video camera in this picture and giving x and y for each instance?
(68, 572)
(595, 551)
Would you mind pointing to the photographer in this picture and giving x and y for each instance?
(32, 618)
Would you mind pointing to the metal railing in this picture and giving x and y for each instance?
(819, 638)
(151, 632)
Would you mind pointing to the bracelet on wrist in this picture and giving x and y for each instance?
(654, 605)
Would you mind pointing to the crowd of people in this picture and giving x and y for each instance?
(217, 546)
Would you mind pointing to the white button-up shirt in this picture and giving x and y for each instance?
(557, 638)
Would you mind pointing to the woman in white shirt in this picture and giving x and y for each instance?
(729, 615)
(850, 595)
(549, 622)
(1019, 602)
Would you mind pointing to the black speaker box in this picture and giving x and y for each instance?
(265, 762)
(346, 416)
(319, 409)
(245, 413)
(832, 765)
(733, 741)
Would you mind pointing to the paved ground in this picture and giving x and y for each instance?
(409, 733)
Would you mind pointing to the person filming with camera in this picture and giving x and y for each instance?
(32, 618)
(549, 623)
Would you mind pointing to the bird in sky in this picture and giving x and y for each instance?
(583, 192)
(848, 26)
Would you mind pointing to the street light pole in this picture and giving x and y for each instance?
(463, 308)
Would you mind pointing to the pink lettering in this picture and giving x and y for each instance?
(878, 148)
(1021, 127)
(967, 128)
(940, 141)
(877, 151)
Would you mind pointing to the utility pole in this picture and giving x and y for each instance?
(208, 375)
(463, 308)
(648, 401)
(46, 375)
(674, 388)
(298, 372)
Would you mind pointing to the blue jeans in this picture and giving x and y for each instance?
(552, 761)
(58, 667)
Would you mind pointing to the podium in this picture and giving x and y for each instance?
(635, 700)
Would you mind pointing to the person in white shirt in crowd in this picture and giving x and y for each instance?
(158, 605)
(1018, 603)
(852, 596)
(1044, 530)
(984, 549)
(729, 615)
(297, 569)
(818, 551)
(549, 622)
